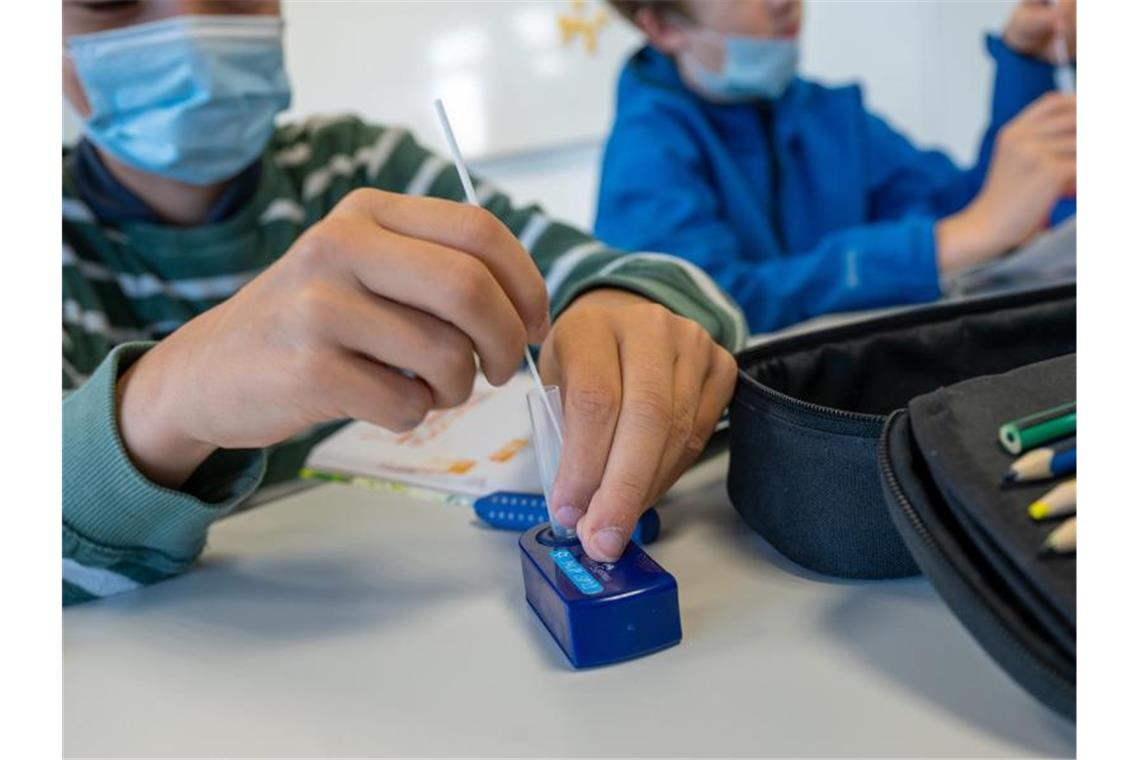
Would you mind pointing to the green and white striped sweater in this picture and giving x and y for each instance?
(127, 286)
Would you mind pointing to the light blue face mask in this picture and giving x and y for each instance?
(192, 98)
(754, 67)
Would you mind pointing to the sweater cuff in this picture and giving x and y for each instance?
(107, 501)
(674, 283)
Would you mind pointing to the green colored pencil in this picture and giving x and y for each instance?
(1029, 432)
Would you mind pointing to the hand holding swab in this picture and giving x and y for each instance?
(469, 190)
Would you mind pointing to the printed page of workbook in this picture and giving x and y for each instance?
(474, 449)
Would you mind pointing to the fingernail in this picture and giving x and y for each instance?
(568, 516)
(607, 544)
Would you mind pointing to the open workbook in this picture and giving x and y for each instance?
(469, 451)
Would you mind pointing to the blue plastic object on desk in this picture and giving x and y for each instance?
(511, 510)
(599, 612)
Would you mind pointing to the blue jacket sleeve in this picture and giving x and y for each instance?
(655, 196)
(1018, 81)
(903, 179)
(865, 267)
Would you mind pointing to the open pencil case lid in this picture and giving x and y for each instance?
(941, 468)
(806, 470)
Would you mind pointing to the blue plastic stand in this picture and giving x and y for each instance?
(599, 612)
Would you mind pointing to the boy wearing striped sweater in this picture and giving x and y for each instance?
(232, 289)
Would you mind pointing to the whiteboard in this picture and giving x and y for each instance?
(509, 81)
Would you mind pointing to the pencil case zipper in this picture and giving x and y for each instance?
(818, 410)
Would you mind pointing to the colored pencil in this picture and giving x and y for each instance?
(1061, 501)
(1041, 427)
(1046, 462)
(1063, 540)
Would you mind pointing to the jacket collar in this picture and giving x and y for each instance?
(653, 68)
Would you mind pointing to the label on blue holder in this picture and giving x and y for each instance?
(577, 574)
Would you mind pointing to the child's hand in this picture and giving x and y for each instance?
(384, 283)
(642, 390)
(1034, 164)
(1034, 23)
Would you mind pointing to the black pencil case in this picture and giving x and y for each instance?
(941, 469)
(826, 465)
(808, 411)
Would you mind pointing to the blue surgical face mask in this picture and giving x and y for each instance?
(754, 67)
(192, 98)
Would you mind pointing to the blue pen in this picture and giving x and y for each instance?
(1044, 463)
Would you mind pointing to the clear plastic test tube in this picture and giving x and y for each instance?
(546, 437)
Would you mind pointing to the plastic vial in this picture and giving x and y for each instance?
(545, 408)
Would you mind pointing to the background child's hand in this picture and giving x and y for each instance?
(1034, 164)
(642, 390)
(1034, 23)
(384, 283)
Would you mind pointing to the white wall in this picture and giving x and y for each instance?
(530, 113)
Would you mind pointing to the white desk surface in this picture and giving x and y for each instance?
(341, 621)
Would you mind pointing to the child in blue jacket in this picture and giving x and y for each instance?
(797, 199)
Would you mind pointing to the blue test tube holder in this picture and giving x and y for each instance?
(599, 612)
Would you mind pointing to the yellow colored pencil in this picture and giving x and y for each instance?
(1059, 502)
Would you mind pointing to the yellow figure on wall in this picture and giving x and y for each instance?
(579, 24)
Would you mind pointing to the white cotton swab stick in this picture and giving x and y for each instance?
(456, 156)
(469, 190)
(1063, 67)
